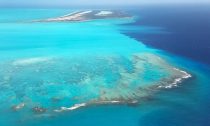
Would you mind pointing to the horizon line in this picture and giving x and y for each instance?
(99, 5)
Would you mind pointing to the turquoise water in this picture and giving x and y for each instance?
(92, 66)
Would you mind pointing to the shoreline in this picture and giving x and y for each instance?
(88, 15)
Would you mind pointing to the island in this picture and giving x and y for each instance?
(87, 15)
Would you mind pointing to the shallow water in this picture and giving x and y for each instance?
(63, 66)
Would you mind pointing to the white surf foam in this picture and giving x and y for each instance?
(76, 106)
(116, 102)
(106, 102)
(19, 106)
(177, 80)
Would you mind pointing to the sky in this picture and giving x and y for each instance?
(93, 2)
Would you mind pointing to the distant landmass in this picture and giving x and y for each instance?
(87, 15)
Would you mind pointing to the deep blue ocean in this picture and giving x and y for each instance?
(186, 29)
(178, 34)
